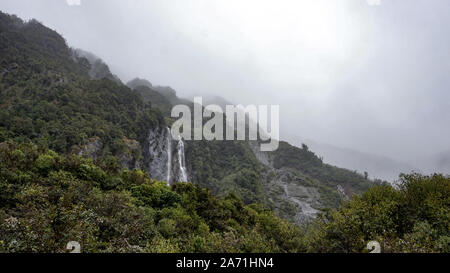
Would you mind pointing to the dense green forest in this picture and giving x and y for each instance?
(73, 142)
(47, 200)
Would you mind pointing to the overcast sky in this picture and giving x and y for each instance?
(374, 78)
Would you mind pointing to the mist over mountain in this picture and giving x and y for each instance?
(437, 163)
(345, 73)
(377, 167)
(98, 68)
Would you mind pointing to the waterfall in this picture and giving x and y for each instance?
(181, 161)
(162, 163)
(169, 154)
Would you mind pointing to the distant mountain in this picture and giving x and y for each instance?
(437, 163)
(377, 167)
(155, 98)
(217, 100)
(442, 162)
(168, 92)
(139, 82)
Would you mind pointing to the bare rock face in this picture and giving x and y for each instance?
(288, 191)
(156, 154)
(341, 192)
(130, 158)
(91, 148)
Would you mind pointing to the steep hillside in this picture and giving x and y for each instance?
(156, 99)
(98, 69)
(167, 92)
(299, 185)
(47, 96)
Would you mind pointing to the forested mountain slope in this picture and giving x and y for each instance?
(50, 96)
